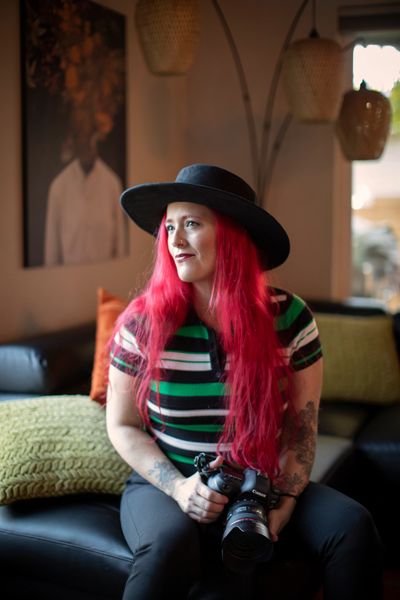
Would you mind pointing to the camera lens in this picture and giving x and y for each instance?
(246, 538)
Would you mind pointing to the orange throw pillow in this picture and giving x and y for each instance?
(109, 308)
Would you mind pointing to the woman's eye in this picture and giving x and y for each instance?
(191, 224)
(169, 228)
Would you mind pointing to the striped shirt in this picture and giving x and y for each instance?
(188, 417)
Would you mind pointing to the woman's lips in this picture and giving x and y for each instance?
(183, 257)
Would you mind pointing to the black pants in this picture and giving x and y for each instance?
(175, 557)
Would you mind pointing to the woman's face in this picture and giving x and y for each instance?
(191, 231)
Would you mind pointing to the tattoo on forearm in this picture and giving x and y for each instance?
(290, 483)
(299, 437)
(304, 440)
(165, 474)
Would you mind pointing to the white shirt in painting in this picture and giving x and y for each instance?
(84, 220)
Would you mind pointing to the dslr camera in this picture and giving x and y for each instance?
(246, 539)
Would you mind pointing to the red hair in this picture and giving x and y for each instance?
(241, 303)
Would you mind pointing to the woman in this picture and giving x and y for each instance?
(210, 358)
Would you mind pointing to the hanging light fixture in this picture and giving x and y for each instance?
(313, 77)
(312, 70)
(168, 32)
(363, 124)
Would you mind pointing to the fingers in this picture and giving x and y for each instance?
(198, 500)
(210, 495)
(278, 518)
(202, 516)
(216, 463)
(206, 505)
(273, 527)
(209, 500)
(201, 519)
(205, 512)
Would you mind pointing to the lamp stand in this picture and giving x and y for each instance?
(262, 161)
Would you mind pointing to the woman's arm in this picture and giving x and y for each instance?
(138, 449)
(299, 435)
(299, 432)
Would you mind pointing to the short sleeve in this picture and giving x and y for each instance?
(125, 353)
(297, 331)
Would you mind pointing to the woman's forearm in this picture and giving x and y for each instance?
(298, 454)
(133, 444)
(140, 451)
(299, 430)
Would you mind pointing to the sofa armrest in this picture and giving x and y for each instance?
(379, 444)
(48, 363)
(345, 419)
(331, 453)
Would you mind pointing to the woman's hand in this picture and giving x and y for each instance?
(279, 517)
(197, 500)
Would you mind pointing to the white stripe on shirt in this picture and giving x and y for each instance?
(185, 445)
(304, 337)
(170, 412)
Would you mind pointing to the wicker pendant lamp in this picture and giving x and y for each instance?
(363, 124)
(313, 78)
(168, 32)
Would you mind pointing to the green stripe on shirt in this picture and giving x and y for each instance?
(295, 308)
(306, 335)
(307, 358)
(194, 331)
(179, 458)
(189, 362)
(211, 428)
(188, 389)
(122, 363)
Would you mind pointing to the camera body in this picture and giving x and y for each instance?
(246, 539)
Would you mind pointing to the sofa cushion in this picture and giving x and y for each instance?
(379, 444)
(56, 445)
(56, 362)
(109, 307)
(72, 546)
(344, 419)
(361, 362)
(330, 452)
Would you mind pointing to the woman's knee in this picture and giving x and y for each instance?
(360, 530)
(178, 545)
(159, 536)
(330, 520)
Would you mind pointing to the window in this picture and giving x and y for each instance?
(376, 187)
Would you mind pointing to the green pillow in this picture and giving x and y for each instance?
(56, 445)
(360, 359)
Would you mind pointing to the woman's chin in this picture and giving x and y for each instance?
(186, 277)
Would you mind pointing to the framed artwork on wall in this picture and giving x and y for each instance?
(73, 132)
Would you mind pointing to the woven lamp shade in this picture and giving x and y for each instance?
(313, 79)
(168, 32)
(363, 124)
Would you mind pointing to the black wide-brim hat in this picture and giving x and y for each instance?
(219, 190)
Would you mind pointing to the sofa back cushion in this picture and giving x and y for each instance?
(361, 361)
(109, 307)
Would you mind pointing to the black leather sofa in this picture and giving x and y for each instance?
(72, 546)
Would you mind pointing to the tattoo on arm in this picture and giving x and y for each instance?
(299, 437)
(165, 474)
(289, 483)
(304, 441)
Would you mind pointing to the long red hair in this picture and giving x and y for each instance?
(242, 305)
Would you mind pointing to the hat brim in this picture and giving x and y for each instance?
(146, 204)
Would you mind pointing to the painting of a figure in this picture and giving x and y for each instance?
(74, 140)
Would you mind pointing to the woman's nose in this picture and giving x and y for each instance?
(178, 239)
